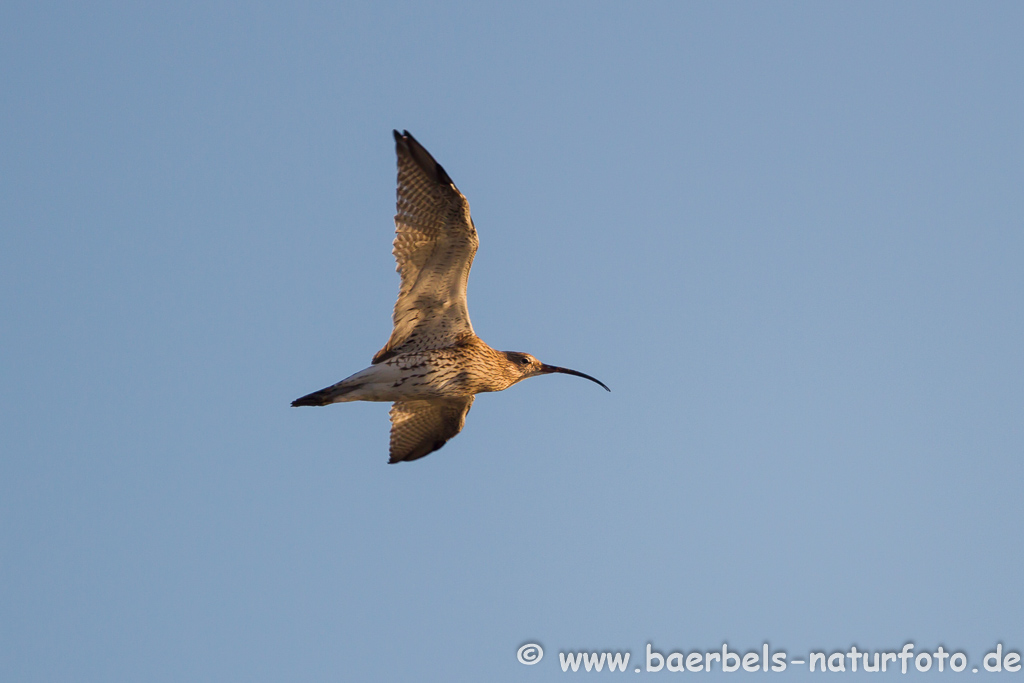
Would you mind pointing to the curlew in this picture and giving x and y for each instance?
(433, 364)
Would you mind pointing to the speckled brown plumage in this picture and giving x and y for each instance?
(433, 363)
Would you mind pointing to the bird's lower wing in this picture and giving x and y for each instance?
(435, 242)
(419, 428)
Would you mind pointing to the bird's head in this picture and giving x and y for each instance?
(523, 365)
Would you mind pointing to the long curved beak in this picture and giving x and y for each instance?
(544, 369)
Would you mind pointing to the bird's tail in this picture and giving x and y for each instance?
(324, 397)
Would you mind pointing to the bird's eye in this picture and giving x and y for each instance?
(524, 361)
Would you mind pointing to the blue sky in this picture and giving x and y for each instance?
(788, 236)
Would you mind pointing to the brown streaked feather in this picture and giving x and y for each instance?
(435, 243)
(419, 428)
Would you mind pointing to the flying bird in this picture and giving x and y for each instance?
(433, 364)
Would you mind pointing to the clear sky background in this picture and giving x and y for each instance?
(789, 236)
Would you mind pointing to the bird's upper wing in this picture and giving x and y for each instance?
(420, 427)
(434, 246)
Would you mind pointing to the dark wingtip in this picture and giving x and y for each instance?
(317, 398)
(422, 157)
(416, 453)
(405, 137)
